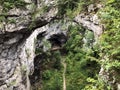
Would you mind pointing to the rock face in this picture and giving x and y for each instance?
(17, 56)
(17, 45)
(19, 40)
(91, 21)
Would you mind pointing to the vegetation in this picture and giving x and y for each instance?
(83, 59)
(71, 8)
(110, 39)
(5, 6)
(81, 71)
(9, 4)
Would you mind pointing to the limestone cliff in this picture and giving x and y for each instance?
(34, 24)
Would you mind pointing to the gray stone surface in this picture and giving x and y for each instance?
(17, 55)
(19, 40)
(17, 45)
(91, 23)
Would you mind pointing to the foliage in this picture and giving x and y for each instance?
(52, 73)
(83, 59)
(110, 49)
(79, 65)
(9, 4)
(52, 82)
(79, 68)
(71, 8)
(96, 84)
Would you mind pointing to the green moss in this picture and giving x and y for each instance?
(9, 4)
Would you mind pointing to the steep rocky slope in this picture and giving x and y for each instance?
(23, 30)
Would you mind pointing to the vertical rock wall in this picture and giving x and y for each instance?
(18, 40)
